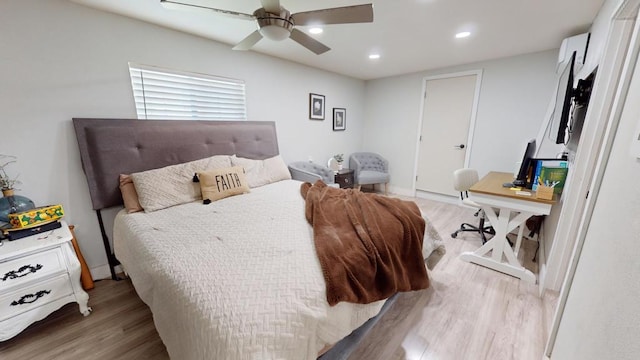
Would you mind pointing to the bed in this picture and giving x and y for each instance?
(238, 278)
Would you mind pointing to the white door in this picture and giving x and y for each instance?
(449, 106)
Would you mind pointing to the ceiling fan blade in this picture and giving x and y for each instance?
(271, 6)
(341, 15)
(186, 6)
(307, 41)
(248, 42)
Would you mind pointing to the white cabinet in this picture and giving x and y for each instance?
(38, 275)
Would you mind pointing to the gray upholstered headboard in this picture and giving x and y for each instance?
(110, 147)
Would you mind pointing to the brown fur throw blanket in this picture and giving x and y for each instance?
(369, 246)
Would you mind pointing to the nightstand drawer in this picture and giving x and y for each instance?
(25, 299)
(31, 267)
(344, 178)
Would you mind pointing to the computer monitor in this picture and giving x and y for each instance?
(523, 172)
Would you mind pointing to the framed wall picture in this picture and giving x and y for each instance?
(339, 119)
(316, 107)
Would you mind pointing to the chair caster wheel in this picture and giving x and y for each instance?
(454, 235)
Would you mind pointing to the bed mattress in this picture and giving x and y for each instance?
(236, 279)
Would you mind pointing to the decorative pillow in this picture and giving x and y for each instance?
(221, 183)
(129, 194)
(262, 172)
(173, 185)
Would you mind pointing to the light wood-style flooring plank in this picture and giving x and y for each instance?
(469, 312)
(120, 327)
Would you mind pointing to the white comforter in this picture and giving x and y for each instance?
(235, 279)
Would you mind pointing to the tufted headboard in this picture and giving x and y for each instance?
(110, 147)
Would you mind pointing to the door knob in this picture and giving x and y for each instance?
(461, 146)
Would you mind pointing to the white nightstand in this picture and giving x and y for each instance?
(38, 274)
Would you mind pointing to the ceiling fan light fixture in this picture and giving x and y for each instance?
(275, 32)
(274, 22)
(275, 27)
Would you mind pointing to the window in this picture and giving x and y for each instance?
(169, 94)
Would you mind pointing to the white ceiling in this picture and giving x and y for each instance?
(410, 35)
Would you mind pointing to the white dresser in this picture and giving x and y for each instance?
(38, 274)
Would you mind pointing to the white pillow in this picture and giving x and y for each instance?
(263, 172)
(173, 185)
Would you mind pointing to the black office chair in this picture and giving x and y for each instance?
(463, 179)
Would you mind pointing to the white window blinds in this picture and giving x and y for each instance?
(169, 94)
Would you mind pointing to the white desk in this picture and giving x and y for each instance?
(513, 211)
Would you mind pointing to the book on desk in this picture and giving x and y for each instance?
(549, 172)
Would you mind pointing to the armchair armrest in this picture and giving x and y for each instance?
(385, 164)
(311, 172)
(302, 175)
(355, 164)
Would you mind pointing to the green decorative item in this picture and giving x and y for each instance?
(35, 217)
(11, 203)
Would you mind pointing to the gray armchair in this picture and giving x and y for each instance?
(370, 169)
(311, 172)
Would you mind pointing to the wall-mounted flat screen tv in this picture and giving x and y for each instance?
(562, 109)
(582, 94)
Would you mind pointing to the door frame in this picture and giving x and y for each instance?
(472, 121)
(620, 56)
(611, 70)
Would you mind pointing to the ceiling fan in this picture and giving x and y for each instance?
(277, 23)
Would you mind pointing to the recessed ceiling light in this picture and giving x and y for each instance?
(374, 56)
(315, 30)
(463, 34)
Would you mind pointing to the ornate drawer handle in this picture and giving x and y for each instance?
(30, 298)
(26, 270)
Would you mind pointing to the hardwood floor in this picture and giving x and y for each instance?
(469, 312)
(120, 327)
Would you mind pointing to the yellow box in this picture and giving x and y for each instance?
(36, 217)
(544, 192)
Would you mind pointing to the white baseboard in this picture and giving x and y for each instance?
(423, 195)
(437, 197)
(401, 191)
(103, 272)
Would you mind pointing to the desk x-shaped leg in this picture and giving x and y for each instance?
(503, 224)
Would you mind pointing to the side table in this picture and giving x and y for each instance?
(345, 178)
(38, 274)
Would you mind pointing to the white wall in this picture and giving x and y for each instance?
(599, 32)
(513, 100)
(602, 316)
(561, 225)
(60, 60)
